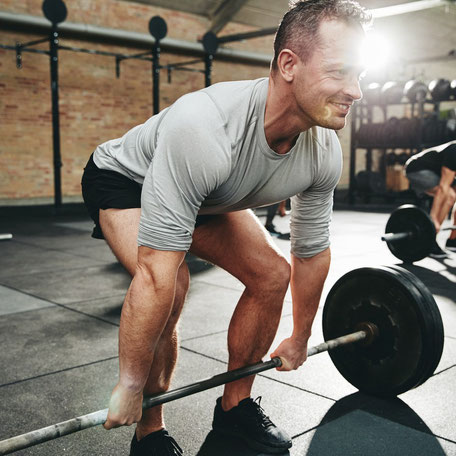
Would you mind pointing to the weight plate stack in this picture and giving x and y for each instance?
(410, 332)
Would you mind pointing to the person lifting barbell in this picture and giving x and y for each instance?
(186, 179)
(433, 172)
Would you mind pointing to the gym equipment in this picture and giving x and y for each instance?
(388, 338)
(370, 182)
(392, 92)
(410, 233)
(158, 28)
(453, 89)
(440, 89)
(372, 93)
(415, 90)
(409, 343)
(210, 42)
(54, 10)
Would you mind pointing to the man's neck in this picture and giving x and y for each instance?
(282, 123)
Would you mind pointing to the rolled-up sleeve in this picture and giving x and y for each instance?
(191, 159)
(312, 209)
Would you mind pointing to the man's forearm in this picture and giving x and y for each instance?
(145, 312)
(308, 276)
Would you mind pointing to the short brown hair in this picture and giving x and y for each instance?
(298, 30)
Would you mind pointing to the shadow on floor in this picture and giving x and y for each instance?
(364, 425)
(441, 283)
(220, 445)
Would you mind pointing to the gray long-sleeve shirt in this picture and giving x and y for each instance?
(208, 154)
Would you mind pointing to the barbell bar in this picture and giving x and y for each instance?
(367, 333)
(410, 233)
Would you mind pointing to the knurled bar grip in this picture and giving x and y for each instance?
(391, 237)
(95, 418)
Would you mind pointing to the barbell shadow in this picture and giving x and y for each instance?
(364, 425)
(437, 283)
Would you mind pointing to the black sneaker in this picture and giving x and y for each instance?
(272, 230)
(158, 443)
(451, 244)
(248, 421)
(275, 233)
(437, 252)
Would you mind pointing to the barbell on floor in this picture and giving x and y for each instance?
(383, 331)
(410, 233)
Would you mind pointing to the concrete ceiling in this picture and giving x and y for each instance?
(424, 34)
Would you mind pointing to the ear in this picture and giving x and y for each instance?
(286, 64)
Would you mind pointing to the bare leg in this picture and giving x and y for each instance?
(120, 229)
(238, 243)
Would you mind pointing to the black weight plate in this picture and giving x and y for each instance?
(432, 318)
(54, 10)
(410, 218)
(410, 339)
(158, 28)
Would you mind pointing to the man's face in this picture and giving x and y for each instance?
(328, 83)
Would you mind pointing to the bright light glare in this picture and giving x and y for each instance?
(375, 52)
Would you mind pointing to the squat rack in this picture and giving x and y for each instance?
(56, 12)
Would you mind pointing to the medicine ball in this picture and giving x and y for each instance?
(372, 93)
(415, 90)
(392, 92)
(440, 89)
(453, 89)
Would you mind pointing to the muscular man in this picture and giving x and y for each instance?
(433, 171)
(185, 180)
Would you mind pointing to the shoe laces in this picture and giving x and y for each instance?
(257, 413)
(173, 449)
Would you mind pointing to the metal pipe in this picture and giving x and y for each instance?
(392, 237)
(32, 24)
(99, 417)
(54, 63)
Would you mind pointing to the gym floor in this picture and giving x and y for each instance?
(61, 294)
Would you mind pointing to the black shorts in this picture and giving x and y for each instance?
(104, 189)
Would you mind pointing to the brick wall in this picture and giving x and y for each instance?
(94, 105)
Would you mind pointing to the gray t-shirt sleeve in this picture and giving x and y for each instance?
(312, 209)
(191, 159)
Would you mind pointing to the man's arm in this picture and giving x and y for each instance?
(308, 276)
(145, 312)
(443, 200)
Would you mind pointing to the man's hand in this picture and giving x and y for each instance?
(292, 352)
(125, 407)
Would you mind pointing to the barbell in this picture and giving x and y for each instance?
(410, 233)
(383, 331)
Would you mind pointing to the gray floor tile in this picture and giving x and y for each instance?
(38, 342)
(108, 309)
(73, 285)
(19, 259)
(12, 301)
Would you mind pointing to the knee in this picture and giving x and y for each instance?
(272, 280)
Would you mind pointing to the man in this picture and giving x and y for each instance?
(433, 171)
(198, 166)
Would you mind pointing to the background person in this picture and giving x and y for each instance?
(433, 171)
